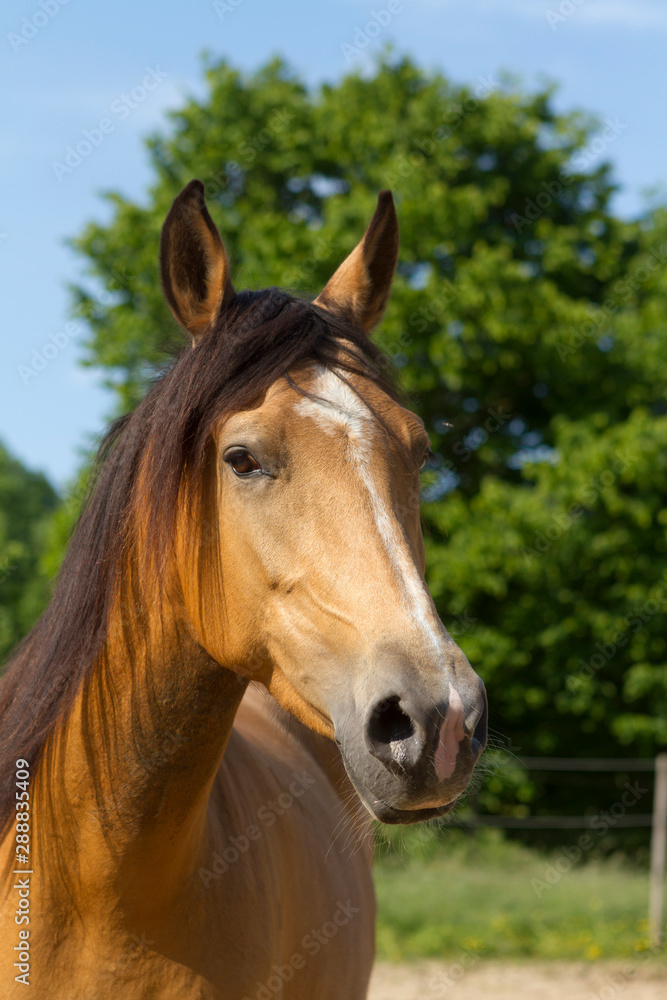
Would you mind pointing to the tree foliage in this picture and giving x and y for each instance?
(528, 324)
(26, 500)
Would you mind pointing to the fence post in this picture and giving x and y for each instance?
(658, 852)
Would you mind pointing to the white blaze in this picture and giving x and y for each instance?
(337, 408)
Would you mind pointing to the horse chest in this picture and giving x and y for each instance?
(312, 917)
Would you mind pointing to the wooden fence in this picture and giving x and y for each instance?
(656, 820)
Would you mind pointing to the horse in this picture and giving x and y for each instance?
(241, 667)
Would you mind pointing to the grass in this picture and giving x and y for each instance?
(499, 899)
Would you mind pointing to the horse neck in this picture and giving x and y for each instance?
(325, 755)
(129, 772)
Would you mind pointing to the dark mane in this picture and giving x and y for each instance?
(260, 339)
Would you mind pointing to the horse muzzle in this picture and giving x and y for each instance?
(410, 758)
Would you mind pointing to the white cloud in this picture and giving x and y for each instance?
(628, 13)
(624, 13)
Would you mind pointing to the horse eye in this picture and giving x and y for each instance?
(242, 462)
(427, 457)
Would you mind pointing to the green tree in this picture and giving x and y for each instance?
(26, 498)
(528, 324)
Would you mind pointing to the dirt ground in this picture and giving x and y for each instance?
(519, 981)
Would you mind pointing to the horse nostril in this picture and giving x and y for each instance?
(389, 723)
(390, 732)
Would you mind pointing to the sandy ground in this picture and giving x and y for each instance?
(519, 981)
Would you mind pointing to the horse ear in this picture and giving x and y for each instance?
(359, 290)
(193, 263)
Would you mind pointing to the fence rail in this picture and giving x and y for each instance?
(587, 763)
(657, 820)
(550, 822)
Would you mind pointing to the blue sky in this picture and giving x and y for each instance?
(66, 66)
